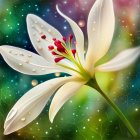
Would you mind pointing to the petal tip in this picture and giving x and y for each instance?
(29, 17)
(6, 131)
(51, 117)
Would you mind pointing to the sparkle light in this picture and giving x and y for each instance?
(81, 23)
(34, 83)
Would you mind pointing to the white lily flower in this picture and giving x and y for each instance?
(61, 57)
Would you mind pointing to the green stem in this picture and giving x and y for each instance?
(115, 108)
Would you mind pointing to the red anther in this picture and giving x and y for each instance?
(64, 39)
(74, 52)
(58, 59)
(71, 37)
(60, 48)
(50, 47)
(54, 53)
(43, 36)
(57, 42)
(54, 39)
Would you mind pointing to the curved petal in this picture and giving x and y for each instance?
(100, 30)
(62, 95)
(122, 60)
(78, 35)
(38, 27)
(26, 62)
(30, 105)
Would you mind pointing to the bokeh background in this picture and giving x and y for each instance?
(86, 116)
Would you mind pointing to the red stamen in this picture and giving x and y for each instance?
(59, 46)
(64, 39)
(54, 39)
(74, 52)
(71, 37)
(43, 36)
(50, 47)
(58, 59)
(54, 53)
(56, 42)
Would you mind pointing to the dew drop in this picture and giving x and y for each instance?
(39, 47)
(40, 32)
(33, 70)
(21, 54)
(10, 51)
(93, 29)
(29, 55)
(38, 40)
(11, 114)
(42, 26)
(26, 61)
(49, 30)
(43, 69)
(57, 74)
(20, 64)
(23, 119)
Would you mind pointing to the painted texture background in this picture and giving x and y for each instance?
(86, 116)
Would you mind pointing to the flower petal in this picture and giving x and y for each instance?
(30, 105)
(26, 62)
(122, 60)
(100, 30)
(78, 35)
(38, 27)
(62, 95)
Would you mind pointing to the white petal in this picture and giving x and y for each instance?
(62, 95)
(26, 62)
(122, 60)
(78, 35)
(38, 27)
(100, 30)
(30, 105)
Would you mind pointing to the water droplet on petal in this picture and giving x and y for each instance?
(21, 54)
(49, 30)
(23, 119)
(11, 114)
(20, 64)
(42, 26)
(26, 61)
(33, 70)
(39, 47)
(57, 74)
(29, 55)
(10, 51)
(93, 29)
(38, 40)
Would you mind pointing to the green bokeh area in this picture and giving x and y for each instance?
(85, 116)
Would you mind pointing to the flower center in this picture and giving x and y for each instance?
(63, 50)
